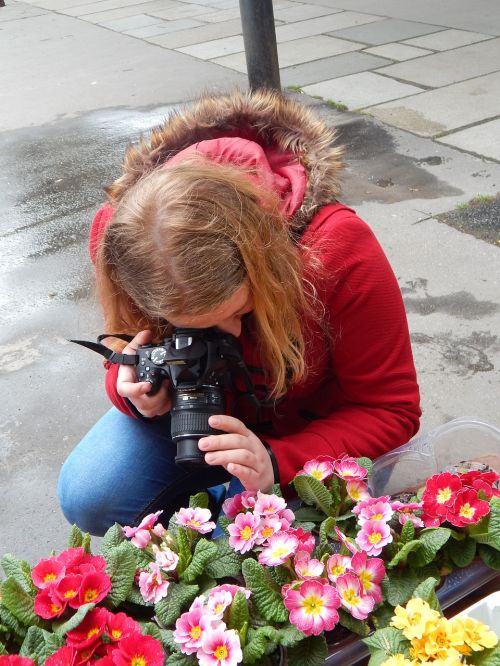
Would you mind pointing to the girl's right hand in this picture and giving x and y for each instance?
(137, 392)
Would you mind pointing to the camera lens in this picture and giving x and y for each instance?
(191, 409)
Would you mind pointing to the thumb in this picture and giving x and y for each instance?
(142, 338)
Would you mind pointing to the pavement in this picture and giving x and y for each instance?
(419, 84)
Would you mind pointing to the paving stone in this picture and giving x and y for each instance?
(483, 139)
(321, 25)
(162, 28)
(182, 11)
(303, 12)
(387, 30)
(204, 33)
(396, 51)
(437, 111)
(442, 69)
(121, 12)
(447, 39)
(357, 91)
(93, 7)
(234, 12)
(327, 68)
(311, 48)
(130, 22)
(214, 49)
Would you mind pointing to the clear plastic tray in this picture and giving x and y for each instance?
(410, 465)
(487, 611)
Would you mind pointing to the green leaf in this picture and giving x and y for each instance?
(309, 514)
(382, 616)
(179, 597)
(135, 597)
(490, 657)
(223, 522)
(326, 529)
(238, 612)
(75, 539)
(367, 463)
(20, 570)
(488, 530)
(3, 650)
(335, 490)
(178, 659)
(34, 644)
(204, 552)
(150, 629)
(258, 641)
(356, 626)
(12, 623)
(226, 563)
(402, 555)
(265, 594)
(377, 658)
(276, 490)
(121, 567)
(390, 640)
(427, 591)
(113, 538)
(167, 640)
(313, 492)
(86, 542)
(19, 603)
(290, 636)
(73, 622)
(199, 501)
(398, 585)
(407, 532)
(311, 651)
(490, 556)
(461, 552)
(183, 549)
(432, 540)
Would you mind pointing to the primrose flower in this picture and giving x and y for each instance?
(313, 607)
(152, 586)
(65, 656)
(357, 490)
(467, 508)
(218, 601)
(319, 469)
(120, 625)
(412, 518)
(337, 565)
(48, 605)
(93, 588)
(48, 572)
(348, 469)
(308, 568)
(345, 541)
(243, 532)
(67, 590)
(140, 535)
(306, 539)
(397, 660)
(415, 619)
(268, 505)
(380, 511)
(267, 527)
(165, 558)
(373, 536)
(89, 630)
(220, 648)
(190, 629)
(232, 589)
(439, 493)
(352, 596)
(196, 519)
(406, 507)
(475, 634)
(238, 503)
(138, 650)
(370, 572)
(280, 547)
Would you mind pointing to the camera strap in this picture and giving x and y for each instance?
(109, 354)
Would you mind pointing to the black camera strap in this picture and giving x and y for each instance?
(109, 354)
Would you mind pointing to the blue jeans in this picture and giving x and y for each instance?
(124, 469)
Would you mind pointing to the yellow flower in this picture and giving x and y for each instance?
(474, 634)
(416, 619)
(451, 660)
(397, 660)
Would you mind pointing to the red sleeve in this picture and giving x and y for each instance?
(375, 380)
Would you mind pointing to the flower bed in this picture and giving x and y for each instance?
(276, 582)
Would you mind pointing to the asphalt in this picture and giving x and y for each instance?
(79, 81)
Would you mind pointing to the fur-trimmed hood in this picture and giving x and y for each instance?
(266, 117)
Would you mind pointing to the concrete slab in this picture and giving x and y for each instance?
(322, 24)
(483, 139)
(122, 12)
(92, 7)
(182, 11)
(19, 11)
(361, 90)
(205, 33)
(441, 69)
(327, 68)
(303, 12)
(440, 111)
(387, 30)
(214, 49)
(131, 22)
(447, 39)
(162, 28)
(396, 51)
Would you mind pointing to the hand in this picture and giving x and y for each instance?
(240, 452)
(137, 392)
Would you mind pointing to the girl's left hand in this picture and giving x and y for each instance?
(240, 452)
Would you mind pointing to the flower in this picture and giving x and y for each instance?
(138, 650)
(120, 625)
(93, 588)
(439, 493)
(308, 568)
(357, 490)
(475, 634)
(217, 602)
(89, 630)
(313, 607)
(345, 541)
(152, 585)
(48, 605)
(196, 519)
(397, 660)
(244, 532)
(165, 558)
(373, 536)
(140, 535)
(370, 572)
(414, 619)
(280, 547)
(352, 596)
(15, 660)
(467, 508)
(267, 527)
(48, 572)
(348, 469)
(319, 469)
(378, 510)
(67, 590)
(268, 505)
(190, 629)
(65, 656)
(336, 565)
(220, 648)
(306, 539)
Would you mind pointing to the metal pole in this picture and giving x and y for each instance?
(259, 37)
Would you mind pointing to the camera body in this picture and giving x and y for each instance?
(199, 363)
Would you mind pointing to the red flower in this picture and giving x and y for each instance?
(48, 605)
(103, 661)
(68, 588)
(138, 650)
(467, 509)
(15, 660)
(93, 588)
(439, 493)
(65, 656)
(468, 478)
(120, 625)
(89, 630)
(48, 572)
(76, 560)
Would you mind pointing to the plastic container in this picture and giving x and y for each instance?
(410, 465)
(487, 611)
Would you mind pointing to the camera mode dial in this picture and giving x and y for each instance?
(158, 355)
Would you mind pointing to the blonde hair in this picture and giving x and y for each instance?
(183, 240)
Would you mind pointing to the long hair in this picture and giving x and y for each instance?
(182, 241)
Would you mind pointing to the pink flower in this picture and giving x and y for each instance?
(93, 589)
(467, 509)
(89, 630)
(220, 648)
(375, 511)
(348, 469)
(218, 601)
(406, 507)
(364, 504)
(373, 536)
(415, 520)
(65, 656)
(280, 547)
(235, 505)
(337, 565)
(165, 558)
(357, 490)
(141, 539)
(138, 650)
(243, 532)
(345, 541)
(190, 629)
(152, 586)
(140, 535)
(268, 527)
(308, 568)
(313, 607)
(159, 531)
(48, 605)
(48, 572)
(232, 589)
(306, 539)
(268, 505)
(196, 519)
(351, 593)
(319, 469)
(120, 625)
(370, 573)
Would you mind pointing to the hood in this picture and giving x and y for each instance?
(266, 117)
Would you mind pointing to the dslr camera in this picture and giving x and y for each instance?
(200, 364)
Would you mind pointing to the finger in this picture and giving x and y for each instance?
(223, 442)
(132, 390)
(248, 476)
(228, 424)
(238, 456)
(142, 338)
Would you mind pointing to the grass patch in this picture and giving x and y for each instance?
(476, 201)
(293, 88)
